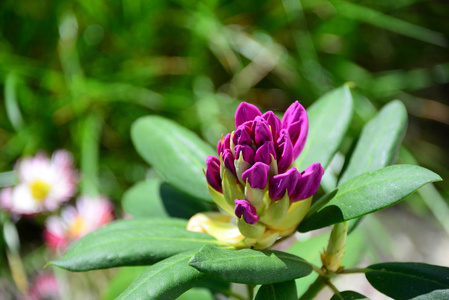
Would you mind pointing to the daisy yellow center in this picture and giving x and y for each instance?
(77, 227)
(39, 190)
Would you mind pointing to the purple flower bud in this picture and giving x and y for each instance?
(257, 175)
(274, 123)
(242, 135)
(262, 132)
(213, 173)
(284, 151)
(309, 182)
(245, 209)
(228, 160)
(264, 151)
(246, 151)
(224, 143)
(246, 112)
(283, 182)
(296, 122)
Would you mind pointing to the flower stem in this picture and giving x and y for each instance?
(353, 270)
(250, 288)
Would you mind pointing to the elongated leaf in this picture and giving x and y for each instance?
(177, 153)
(278, 291)
(379, 141)
(250, 266)
(153, 198)
(130, 243)
(435, 295)
(368, 193)
(121, 281)
(407, 280)
(166, 279)
(349, 295)
(329, 118)
(197, 294)
(143, 200)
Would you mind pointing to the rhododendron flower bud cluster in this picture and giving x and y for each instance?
(254, 178)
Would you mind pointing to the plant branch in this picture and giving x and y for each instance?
(353, 270)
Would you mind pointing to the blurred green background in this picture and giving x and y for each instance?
(76, 74)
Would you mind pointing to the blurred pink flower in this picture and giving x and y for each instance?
(45, 287)
(43, 184)
(89, 214)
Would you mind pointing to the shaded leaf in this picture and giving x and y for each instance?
(379, 141)
(130, 243)
(250, 266)
(329, 118)
(408, 280)
(349, 295)
(177, 153)
(368, 193)
(166, 279)
(278, 291)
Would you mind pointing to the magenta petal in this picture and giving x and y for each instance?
(309, 182)
(283, 182)
(245, 209)
(284, 151)
(228, 160)
(242, 135)
(224, 143)
(263, 154)
(257, 175)
(213, 173)
(297, 124)
(262, 132)
(274, 122)
(245, 112)
(246, 151)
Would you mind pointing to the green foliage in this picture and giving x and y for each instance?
(250, 266)
(178, 154)
(274, 291)
(131, 243)
(164, 280)
(349, 295)
(408, 280)
(366, 194)
(329, 119)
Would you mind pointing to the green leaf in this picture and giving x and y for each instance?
(197, 294)
(131, 243)
(407, 280)
(177, 153)
(153, 198)
(349, 295)
(329, 118)
(379, 141)
(278, 291)
(143, 200)
(250, 266)
(166, 279)
(121, 281)
(435, 295)
(368, 193)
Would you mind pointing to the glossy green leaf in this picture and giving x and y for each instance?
(368, 193)
(177, 153)
(434, 295)
(250, 266)
(166, 279)
(349, 295)
(278, 291)
(153, 198)
(407, 280)
(130, 243)
(329, 118)
(121, 281)
(379, 141)
(143, 200)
